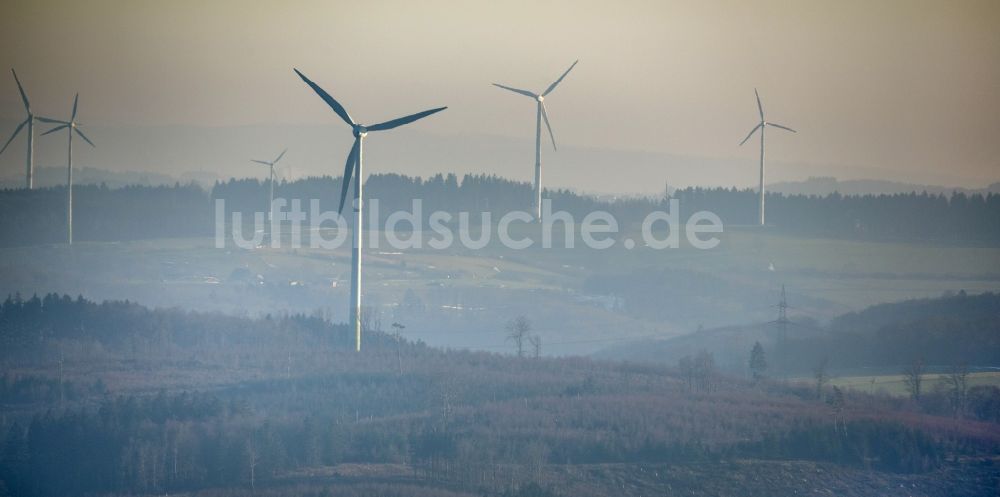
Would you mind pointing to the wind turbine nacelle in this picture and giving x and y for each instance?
(540, 98)
(360, 131)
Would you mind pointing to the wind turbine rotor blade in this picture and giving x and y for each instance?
(16, 131)
(752, 131)
(545, 116)
(260, 162)
(282, 154)
(335, 105)
(516, 90)
(50, 120)
(786, 128)
(76, 100)
(556, 83)
(404, 120)
(57, 128)
(760, 107)
(24, 97)
(84, 137)
(352, 160)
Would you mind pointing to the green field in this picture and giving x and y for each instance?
(892, 384)
(467, 296)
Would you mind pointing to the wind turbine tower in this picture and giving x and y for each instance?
(30, 123)
(761, 125)
(73, 127)
(540, 114)
(270, 194)
(354, 166)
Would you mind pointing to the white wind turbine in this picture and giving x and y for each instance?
(354, 166)
(270, 194)
(72, 126)
(540, 114)
(761, 125)
(30, 123)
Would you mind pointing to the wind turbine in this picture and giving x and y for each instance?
(354, 166)
(72, 126)
(540, 114)
(30, 123)
(761, 125)
(270, 195)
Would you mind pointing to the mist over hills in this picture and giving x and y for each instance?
(825, 185)
(49, 176)
(193, 304)
(204, 153)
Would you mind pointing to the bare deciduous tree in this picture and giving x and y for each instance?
(252, 459)
(371, 319)
(536, 345)
(686, 367)
(447, 392)
(957, 382)
(517, 332)
(821, 376)
(371, 324)
(758, 362)
(913, 378)
(704, 370)
(399, 359)
(837, 403)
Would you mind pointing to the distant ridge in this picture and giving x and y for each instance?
(815, 185)
(947, 330)
(226, 151)
(56, 176)
(825, 185)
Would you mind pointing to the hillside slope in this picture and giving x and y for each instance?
(118, 399)
(946, 331)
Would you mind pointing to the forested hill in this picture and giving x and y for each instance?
(32, 329)
(943, 332)
(981, 307)
(101, 213)
(947, 331)
(117, 399)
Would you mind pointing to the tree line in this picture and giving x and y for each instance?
(142, 212)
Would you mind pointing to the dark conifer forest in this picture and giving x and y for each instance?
(144, 212)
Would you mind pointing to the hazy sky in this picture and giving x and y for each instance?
(909, 86)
